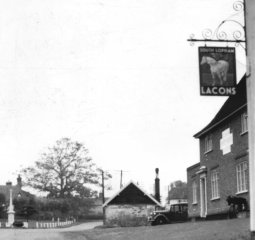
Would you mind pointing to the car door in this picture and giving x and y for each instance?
(175, 213)
(183, 212)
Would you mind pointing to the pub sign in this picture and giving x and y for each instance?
(217, 71)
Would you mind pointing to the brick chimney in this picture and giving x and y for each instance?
(157, 186)
(19, 181)
(9, 183)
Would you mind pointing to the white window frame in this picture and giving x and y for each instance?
(215, 184)
(194, 192)
(208, 143)
(244, 123)
(242, 177)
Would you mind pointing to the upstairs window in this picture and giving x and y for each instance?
(242, 177)
(215, 184)
(208, 143)
(244, 123)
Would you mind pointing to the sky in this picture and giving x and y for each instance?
(116, 75)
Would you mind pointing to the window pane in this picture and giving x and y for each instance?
(208, 143)
(242, 177)
(194, 192)
(244, 122)
(215, 183)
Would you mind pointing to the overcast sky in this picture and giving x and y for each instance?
(117, 75)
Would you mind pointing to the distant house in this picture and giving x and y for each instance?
(17, 191)
(223, 167)
(130, 206)
(178, 193)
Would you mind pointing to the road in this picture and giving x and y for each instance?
(44, 234)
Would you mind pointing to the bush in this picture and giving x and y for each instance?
(18, 224)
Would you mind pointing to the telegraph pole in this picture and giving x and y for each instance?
(103, 198)
(121, 173)
(249, 8)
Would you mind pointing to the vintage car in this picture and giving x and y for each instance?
(177, 213)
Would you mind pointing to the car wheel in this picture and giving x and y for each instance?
(160, 221)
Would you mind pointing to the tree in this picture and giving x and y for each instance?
(63, 170)
(28, 211)
(178, 190)
(2, 205)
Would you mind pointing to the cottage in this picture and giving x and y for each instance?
(223, 167)
(17, 191)
(130, 206)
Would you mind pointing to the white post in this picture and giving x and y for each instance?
(250, 38)
(11, 211)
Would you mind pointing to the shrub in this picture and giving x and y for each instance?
(18, 224)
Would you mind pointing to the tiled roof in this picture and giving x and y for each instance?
(231, 106)
(132, 194)
(16, 190)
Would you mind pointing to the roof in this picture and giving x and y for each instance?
(131, 194)
(232, 105)
(16, 190)
(193, 166)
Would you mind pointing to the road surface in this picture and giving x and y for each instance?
(44, 234)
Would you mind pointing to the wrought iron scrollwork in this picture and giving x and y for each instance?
(231, 30)
(207, 33)
(238, 6)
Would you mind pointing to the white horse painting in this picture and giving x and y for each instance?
(219, 69)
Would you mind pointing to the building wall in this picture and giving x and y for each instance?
(225, 165)
(127, 214)
(193, 208)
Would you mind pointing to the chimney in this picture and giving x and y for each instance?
(9, 183)
(100, 195)
(157, 190)
(19, 181)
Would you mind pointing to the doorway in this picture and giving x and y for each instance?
(203, 197)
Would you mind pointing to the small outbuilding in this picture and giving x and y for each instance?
(130, 206)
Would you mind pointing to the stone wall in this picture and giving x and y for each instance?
(127, 215)
(193, 208)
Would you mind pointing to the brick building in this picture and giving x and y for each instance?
(17, 191)
(223, 167)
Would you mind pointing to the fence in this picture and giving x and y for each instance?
(35, 224)
(52, 224)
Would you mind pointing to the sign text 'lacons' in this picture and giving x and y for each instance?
(218, 91)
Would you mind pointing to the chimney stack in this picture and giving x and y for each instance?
(19, 181)
(9, 183)
(157, 183)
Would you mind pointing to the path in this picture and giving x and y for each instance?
(43, 234)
